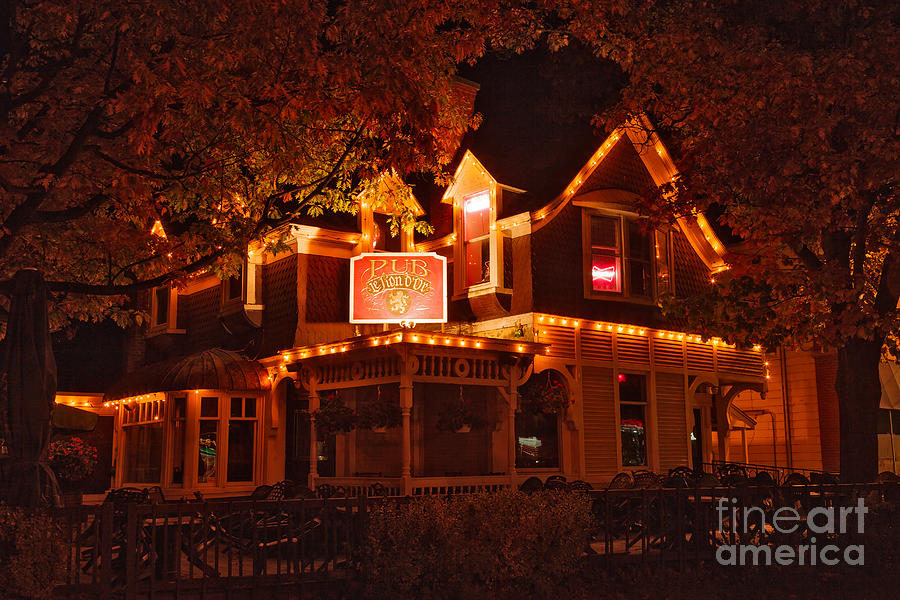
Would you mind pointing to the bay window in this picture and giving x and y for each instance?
(207, 455)
(241, 439)
(142, 426)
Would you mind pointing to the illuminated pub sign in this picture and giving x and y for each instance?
(392, 287)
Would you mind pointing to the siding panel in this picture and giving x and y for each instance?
(600, 459)
(670, 415)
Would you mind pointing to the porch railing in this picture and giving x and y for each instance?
(415, 486)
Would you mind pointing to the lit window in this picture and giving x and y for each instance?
(143, 428)
(619, 257)
(537, 436)
(241, 438)
(178, 433)
(477, 227)
(605, 258)
(633, 419)
(207, 456)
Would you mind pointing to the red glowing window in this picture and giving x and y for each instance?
(605, 273)
(606, 262)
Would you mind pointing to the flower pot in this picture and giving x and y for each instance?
(464, 429)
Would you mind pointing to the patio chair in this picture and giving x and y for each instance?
(580, 486)
(646, 479)
(732, 474)
(555, 482)
(326, 490)
(679, 477)
(531, 485)
(621, 481)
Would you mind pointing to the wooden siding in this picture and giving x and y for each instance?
(599, 415)
(769, 447)
(604, 344)
(670, 421)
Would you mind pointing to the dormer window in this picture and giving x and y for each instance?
(477, 229)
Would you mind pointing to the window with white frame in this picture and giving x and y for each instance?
(179, 432)
(633, 419)
(241, 439)
(208, 441)
(477, 237)
(142, 427)
(623, 258)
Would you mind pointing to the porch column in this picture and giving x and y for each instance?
(406, 398)
(513, 404)
(720, 405)
(313, 450)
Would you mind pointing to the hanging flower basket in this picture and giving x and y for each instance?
(380, 413)
(333, 416)
(546, 393)
(72, 459)
(460, 415)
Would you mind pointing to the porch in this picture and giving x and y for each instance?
(428, 375)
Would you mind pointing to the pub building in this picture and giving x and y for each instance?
(522, 338)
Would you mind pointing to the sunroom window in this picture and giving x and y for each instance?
(142, 425)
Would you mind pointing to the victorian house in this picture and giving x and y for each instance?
(555, 358)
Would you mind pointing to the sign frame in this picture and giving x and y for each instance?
(401, 318)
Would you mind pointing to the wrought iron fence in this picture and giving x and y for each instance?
(191, 549)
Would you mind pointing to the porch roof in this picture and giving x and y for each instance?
(213, 369)
(421, 339)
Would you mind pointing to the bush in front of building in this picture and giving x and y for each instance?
(502, 544)
(30, 554)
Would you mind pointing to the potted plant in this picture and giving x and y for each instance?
(72, 460)
(546, 393)
(380, 413)
(333, 416)
(460, 415)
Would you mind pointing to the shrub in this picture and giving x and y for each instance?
(30, 554)
(508, 543)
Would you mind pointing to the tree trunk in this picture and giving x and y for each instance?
(859, 395)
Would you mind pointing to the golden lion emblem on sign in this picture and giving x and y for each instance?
(397, 301)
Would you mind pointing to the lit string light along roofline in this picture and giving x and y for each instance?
(630, 329)
(422, 338)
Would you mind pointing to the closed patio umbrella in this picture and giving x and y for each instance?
(28, 380)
